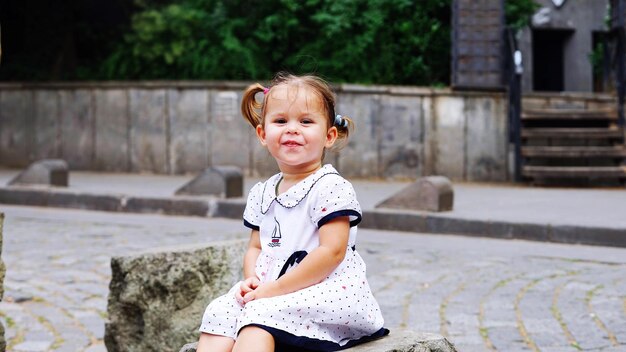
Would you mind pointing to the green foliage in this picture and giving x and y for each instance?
(518, 12)
(366, 41)
(360, 41)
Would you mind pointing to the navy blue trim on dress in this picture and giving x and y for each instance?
(295, 258)
(338, 213)
(287, 342)
(249, 225)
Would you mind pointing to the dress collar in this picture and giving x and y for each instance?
(294, 195)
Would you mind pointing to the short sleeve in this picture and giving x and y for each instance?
(252, 215)
(333, 198)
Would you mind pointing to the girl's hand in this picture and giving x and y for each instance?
(266, 290)
(246, 286)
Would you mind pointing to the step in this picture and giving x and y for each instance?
(568, 114)
(573, 151)
(575, 171)
(572, 133)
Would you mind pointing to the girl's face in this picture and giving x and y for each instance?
(295, 129)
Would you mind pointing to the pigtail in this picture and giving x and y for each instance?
(344, 126)
(251, 109)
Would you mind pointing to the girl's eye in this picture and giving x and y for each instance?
(280, 120)
(307, 121)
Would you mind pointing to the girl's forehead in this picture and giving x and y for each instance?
(291, 95)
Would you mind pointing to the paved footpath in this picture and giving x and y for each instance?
(484, 294)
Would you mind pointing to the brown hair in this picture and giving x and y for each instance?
(254, 111)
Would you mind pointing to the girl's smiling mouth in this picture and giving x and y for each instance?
(291, 143)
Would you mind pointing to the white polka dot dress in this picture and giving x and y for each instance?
(337, 313)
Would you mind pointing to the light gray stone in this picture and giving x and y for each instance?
(450, 137)
(432, 193)
(47, 128)
(156, 299)
(360, 157)
(222, 181)
(486, 152)
(49, 172)
(77, 128)
(3, 271)
(397, 341)
(401, 140)
(148, 130)
(189, 130)
(230, 133)
(16, 127)
(112, 130)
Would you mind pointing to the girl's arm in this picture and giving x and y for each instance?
(315, 267)
(251, 281)
(249, 259)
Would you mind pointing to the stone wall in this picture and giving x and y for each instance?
(184, 127)
(156, 298)
(3, 270)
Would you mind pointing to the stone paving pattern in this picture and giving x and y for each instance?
(483, 294)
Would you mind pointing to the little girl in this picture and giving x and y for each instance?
(305, 287)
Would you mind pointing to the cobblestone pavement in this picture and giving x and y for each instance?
(483, 294)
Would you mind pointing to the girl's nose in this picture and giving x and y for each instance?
(292, 127)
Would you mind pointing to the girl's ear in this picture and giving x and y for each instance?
(331, 136)
(260, 133)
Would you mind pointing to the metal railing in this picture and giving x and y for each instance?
(514, 69)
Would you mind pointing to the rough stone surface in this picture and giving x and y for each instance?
(52, 172)
(397, 341)
(221, 181)
(156, 299)
(3, 270)
(432, 193)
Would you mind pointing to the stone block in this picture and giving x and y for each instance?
(401, 340)
(156, 298)
(77, 128)
(47, 128)
(220, 181)
(432, 193)
(50, 172)
(189, 131)
(148, 130)
(449, 128)
(16, 127)
(360, 157)
(231, 135)
(402, 135)
(3, 270)
(112, 137)
(486, 152)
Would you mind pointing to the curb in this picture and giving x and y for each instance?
(377, 219)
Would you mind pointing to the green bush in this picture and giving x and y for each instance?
(366, 41)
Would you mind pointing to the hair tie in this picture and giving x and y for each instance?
(265, 90)
(340, 121)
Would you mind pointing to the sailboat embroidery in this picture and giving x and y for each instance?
(276, 236)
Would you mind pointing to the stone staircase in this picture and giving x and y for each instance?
(572, 141)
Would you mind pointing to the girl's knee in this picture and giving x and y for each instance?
(214, 343)
(253, 338)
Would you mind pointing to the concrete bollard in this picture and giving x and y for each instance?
(49, 172)
(432, 193)
(399, 340)
(220, 181)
